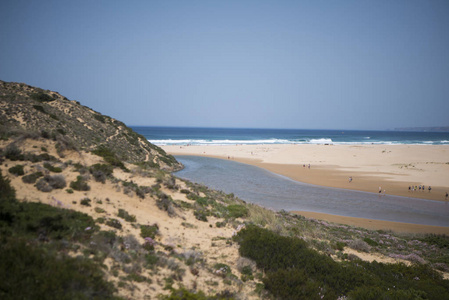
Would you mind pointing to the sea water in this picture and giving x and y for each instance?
(270, 190)
(226, 136)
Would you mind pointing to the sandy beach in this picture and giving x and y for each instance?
(390, 168)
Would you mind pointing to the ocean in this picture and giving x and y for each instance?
(224, 136)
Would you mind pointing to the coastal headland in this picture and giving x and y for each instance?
(392, 169)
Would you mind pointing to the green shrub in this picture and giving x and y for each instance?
(52, 168)
(48, 183)
(69, 191)
(80, 184)
(101, 171)
(114, 223)
(292, 268)
(99, 210)
(237, 211)
(31, 178)
(42, 97)
(149, 231)
(17, 170)
(85, 202)
(109, 156)
(126, 216)
(201, 215)
(370, 242)
(12, 152)
(440, 240)
(32, 272)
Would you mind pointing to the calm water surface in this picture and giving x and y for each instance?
(270, 190)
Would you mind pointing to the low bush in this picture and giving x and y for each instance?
(52, 168)
(109, 156)
(79, 184)
(42, 97)
(165, 202)
(12, 152)
(85, 202)
(101, 171)
(126, 216)
(48, 183)
(114, 223)
(31, 178)
(237, 211)
(294, 270)
(149, 231)
(17, 170)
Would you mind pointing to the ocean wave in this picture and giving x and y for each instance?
(219, 142)
(319, 141)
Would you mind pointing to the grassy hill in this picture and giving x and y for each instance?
(90, 210)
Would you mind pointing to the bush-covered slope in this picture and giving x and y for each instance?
(24, 108)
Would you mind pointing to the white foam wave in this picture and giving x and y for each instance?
(218, 142)
(321, 141)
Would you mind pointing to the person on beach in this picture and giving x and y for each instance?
(380, 190)
(430, 188)
(446, 195)
(409, 188)
(350, 179)
(309, 166)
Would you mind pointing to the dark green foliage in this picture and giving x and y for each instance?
(100, 118)
(165, 202)
(42, 97)
(7, 193)
(237, 211)
(60, 130)
(80, 184)
(40, 108)
(201, 214)
(370, 242)
(38, 158)
(101, 171)
(31, 178)
(12, 152)
(294, 270)
(48, 183)
(114, 223)
(17, 170)
(149, 231)
(85, 202)
(28, 271)
(109, 156)
(440, 240)
(52, 168)
(126, 216)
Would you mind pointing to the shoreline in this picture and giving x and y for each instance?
(392, 168)
(362, 163)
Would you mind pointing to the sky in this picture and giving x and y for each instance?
(368, 65)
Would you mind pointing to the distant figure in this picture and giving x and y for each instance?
(420, 188)
(309, 166)
(380, 189)
(430, 188)
(409, 189)
(446, 195)
(423, 188)
(350, 179)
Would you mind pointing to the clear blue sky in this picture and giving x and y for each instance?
(262, 64)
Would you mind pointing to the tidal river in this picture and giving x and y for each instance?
(270, 190)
